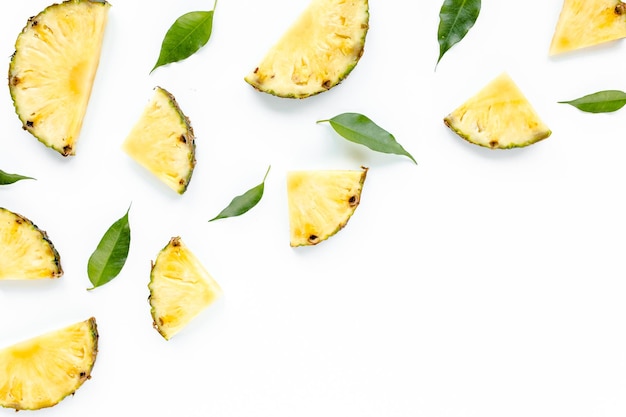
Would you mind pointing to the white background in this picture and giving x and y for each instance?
(476, 283)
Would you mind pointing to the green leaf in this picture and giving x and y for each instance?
(185, 37)
(456, 18)
(244, 202)
(360, 129)
(6, 178)
(601, 102)
(109, 258)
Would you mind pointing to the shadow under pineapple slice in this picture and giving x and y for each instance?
(317, 52)
(498, 117)
(163, 142)
(321, 203)
(52, 71)
(180, 288)
(582, 24)
(26, 252)
(40, 372)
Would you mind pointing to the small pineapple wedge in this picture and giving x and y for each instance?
(180, 288)
(585, 23)
(317, 52)
(498, 117)
(162, 141)
(40, 372)
(26, 252)
(52, 71)
(321, 203)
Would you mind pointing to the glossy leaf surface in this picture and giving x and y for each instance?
(6, 178)
(109, 258)
(185, 37)
(456, 18)
(360, 129)
(601, 102)
(244, 202)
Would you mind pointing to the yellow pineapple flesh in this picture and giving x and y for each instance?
(26, 252)
(321, 203)
(40, 372)
(317, 52)
(162, 141)
(180, 288)
(498, 117)
(585, 23)
(52, 71)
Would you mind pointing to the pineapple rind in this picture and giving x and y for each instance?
(180, 288)
(586, 23)
(317, 52)
(26, 252)
(52, 71)
(321, 203)
(40, 372)
(163, 141)
(499, 116)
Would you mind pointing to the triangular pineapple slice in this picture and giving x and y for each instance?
(321, 203)
(584, 23)
(317, 52)
(180, 288)
(162, 141)
(498, 116)
(52, 71)
(41, 371)
(26, 252)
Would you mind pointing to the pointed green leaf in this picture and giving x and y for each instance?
(601, 102)
(360, 129)
(456, 18)
(109, 258)
(6, 178)
(185, 37)
(244, 202)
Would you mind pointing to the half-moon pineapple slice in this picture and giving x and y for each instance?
(53, 69)
(317, 52)
(180, 288)
(321, 203)
(41, 371)
(162, 141)
(585, 23)
(499, 117)
(26, 252)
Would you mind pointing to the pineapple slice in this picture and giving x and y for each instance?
(25, 250)
(585, 23)
(317, 52)
(498, 116)
(40, 372)
(53, 69)
(162, 141)
(321, 203)
(180, 288)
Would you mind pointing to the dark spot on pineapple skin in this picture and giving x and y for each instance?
(30, 123)
(493, 143)
(620, 8)
(326, 84)
(313, 239)
(67, 149)
(183, 139)
(256, 70)
(34, 23)
(15, 81)
(18, 221)
(353, 201)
